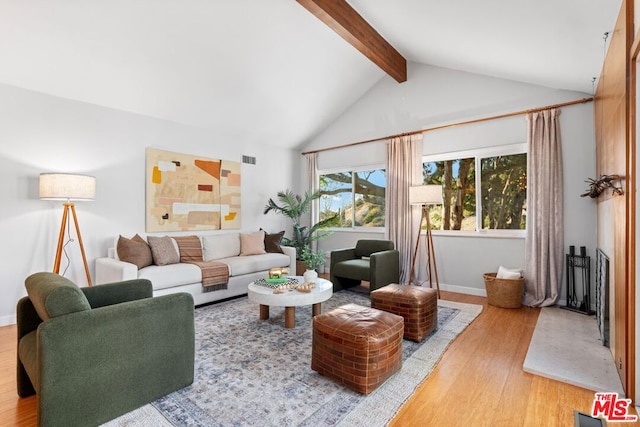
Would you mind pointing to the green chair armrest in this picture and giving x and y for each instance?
(385, 256)
(385, 268)
(118, 292)
(339, 255)
(98, 364)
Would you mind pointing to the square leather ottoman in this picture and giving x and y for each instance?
(418, 306)
(357, 346)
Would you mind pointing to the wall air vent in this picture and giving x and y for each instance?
(249, 160)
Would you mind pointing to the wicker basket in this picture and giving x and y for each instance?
(505, 293)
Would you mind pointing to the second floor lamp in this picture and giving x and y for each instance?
(424, 196)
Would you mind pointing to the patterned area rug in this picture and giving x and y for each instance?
(252, 372)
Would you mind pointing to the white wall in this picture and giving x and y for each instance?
(435, 96)
(42, 133)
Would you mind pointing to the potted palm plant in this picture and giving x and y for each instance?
(294, 206)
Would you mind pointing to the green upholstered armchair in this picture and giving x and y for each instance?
(375, 261)
(93, 354)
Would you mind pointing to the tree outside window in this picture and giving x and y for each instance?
(358, 198)
(502, 184)
(504, 192)
(457, 177)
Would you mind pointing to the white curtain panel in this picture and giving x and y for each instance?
(404, 169)
(313, 186)
(545, 218)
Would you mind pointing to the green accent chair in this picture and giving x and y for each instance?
(375, 261)
(93, 354)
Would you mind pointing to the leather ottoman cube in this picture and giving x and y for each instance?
(418, 306)
(357, 346)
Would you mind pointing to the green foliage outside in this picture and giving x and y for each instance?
(351, 199)
(457, 178)
(503, 192)
(368, 208)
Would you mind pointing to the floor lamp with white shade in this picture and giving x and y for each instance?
(426, 195)
(68, 187)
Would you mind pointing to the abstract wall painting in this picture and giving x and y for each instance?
(187, 192)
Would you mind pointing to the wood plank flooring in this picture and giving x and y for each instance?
(478, 382)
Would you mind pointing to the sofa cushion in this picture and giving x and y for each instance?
(168, 276)
(272, 242)
(217, 246)
(163, 250)
(251, 264)
(53, 295)
(134, 250)
(252, 243)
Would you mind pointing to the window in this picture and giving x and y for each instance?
(357, 198)
(457, 178)
(493, 199)
(504, 191)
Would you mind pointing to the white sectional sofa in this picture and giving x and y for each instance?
(185, 277)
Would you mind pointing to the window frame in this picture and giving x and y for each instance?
(478, 154)
(353, 171)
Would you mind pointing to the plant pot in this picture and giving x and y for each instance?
(310, 276)
(301, 267)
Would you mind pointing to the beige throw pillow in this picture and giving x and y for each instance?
(252, 243)
(163, 250)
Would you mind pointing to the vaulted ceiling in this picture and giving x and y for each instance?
(269, 70)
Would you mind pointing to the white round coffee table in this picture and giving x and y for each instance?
(290, 299)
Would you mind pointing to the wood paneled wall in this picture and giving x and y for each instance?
(614, 149)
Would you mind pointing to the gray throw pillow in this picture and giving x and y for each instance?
(163, 251)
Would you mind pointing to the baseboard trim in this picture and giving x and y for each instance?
(463, 290)
(8, 320)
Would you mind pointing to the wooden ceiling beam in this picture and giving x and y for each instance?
(344, 20)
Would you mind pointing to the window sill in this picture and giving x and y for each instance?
(493, 234)
(520, 234)
(373, 230)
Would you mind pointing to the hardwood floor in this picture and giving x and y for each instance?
(478, 382)
(14, 411)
